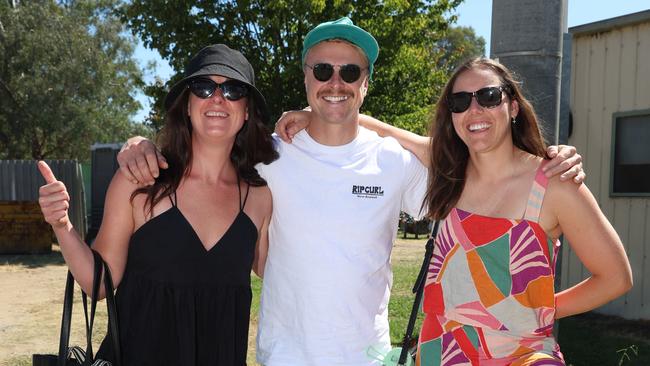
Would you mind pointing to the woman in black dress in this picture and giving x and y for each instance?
(181, 250)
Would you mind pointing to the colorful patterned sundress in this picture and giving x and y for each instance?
(489, 297)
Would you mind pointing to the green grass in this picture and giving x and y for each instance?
(594, 339)
(401, 300)
(256, 286)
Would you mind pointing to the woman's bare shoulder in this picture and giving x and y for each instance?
(259, 205)
(562, 190)
(261, 194)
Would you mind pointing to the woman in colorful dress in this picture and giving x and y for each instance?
(489, 296)
(181, 250)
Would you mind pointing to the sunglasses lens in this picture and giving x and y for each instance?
(489, 97)
(234, 90)
(350, 73)
(231, 89)
(202, 88)
(459, 102)
(323, 72)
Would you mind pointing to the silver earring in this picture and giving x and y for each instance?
(513, 120)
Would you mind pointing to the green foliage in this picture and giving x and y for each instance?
(417, 122)
(455, 46)
(407, 78)
(458, 45)
(67, 76)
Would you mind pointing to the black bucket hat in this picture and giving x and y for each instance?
(219, 59)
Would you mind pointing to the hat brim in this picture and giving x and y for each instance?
(350, 33)
(225, 71)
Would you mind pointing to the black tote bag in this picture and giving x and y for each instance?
(75, 356)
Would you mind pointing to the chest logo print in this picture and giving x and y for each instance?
(367, 191)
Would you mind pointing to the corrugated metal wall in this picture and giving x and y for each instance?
(20, 180)
(611, 73)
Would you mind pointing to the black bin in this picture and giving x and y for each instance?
(103, 167)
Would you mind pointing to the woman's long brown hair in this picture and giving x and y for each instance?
(449, 154)
(253, 144)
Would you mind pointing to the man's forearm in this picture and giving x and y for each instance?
(418, 145)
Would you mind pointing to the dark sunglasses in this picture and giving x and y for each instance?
(348, 72)
(231, 89)
(489, 97)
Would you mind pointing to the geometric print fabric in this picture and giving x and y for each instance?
(489, 295)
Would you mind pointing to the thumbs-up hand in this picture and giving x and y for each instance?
(53, 198)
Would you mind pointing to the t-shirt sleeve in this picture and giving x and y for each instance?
(415, 186)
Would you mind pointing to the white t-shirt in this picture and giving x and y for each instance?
(327, 278)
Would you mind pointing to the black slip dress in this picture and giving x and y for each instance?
(180, 304)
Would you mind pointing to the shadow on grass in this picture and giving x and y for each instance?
(595, 339)
(33, 260)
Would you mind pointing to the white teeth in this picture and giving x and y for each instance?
(478, 126)
(216, 114)
(335, 98)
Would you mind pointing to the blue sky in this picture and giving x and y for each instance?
(474, 13)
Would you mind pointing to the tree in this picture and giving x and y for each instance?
(270, 33)
(459, 44)
(455, 46)
(67, 76)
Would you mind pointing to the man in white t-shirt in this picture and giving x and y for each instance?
(337, 193)
(338, 189)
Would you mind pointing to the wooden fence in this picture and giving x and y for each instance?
(20, 181)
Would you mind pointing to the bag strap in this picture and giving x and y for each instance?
(418, 289)
(113, 331)
(97, 277)
(64, 339)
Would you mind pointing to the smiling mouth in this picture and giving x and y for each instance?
(216, 114)
(336, 99)
(477, 127)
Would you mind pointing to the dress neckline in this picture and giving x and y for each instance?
(533, 200)
(173, 209)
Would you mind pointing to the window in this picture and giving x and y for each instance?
(630, 175)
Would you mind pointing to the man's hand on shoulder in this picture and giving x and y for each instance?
(292, 122)
(140, 160)
(565, 161)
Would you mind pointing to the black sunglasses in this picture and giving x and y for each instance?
(348, 72)
(231, 89)
(488, 97)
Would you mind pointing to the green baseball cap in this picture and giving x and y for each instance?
(343, 29)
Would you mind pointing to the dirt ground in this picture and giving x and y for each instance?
(31, 301)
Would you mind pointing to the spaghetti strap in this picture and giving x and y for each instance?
(241, 206)
(174, 200)
(248, 187)
(536, 196)
(239, 193)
